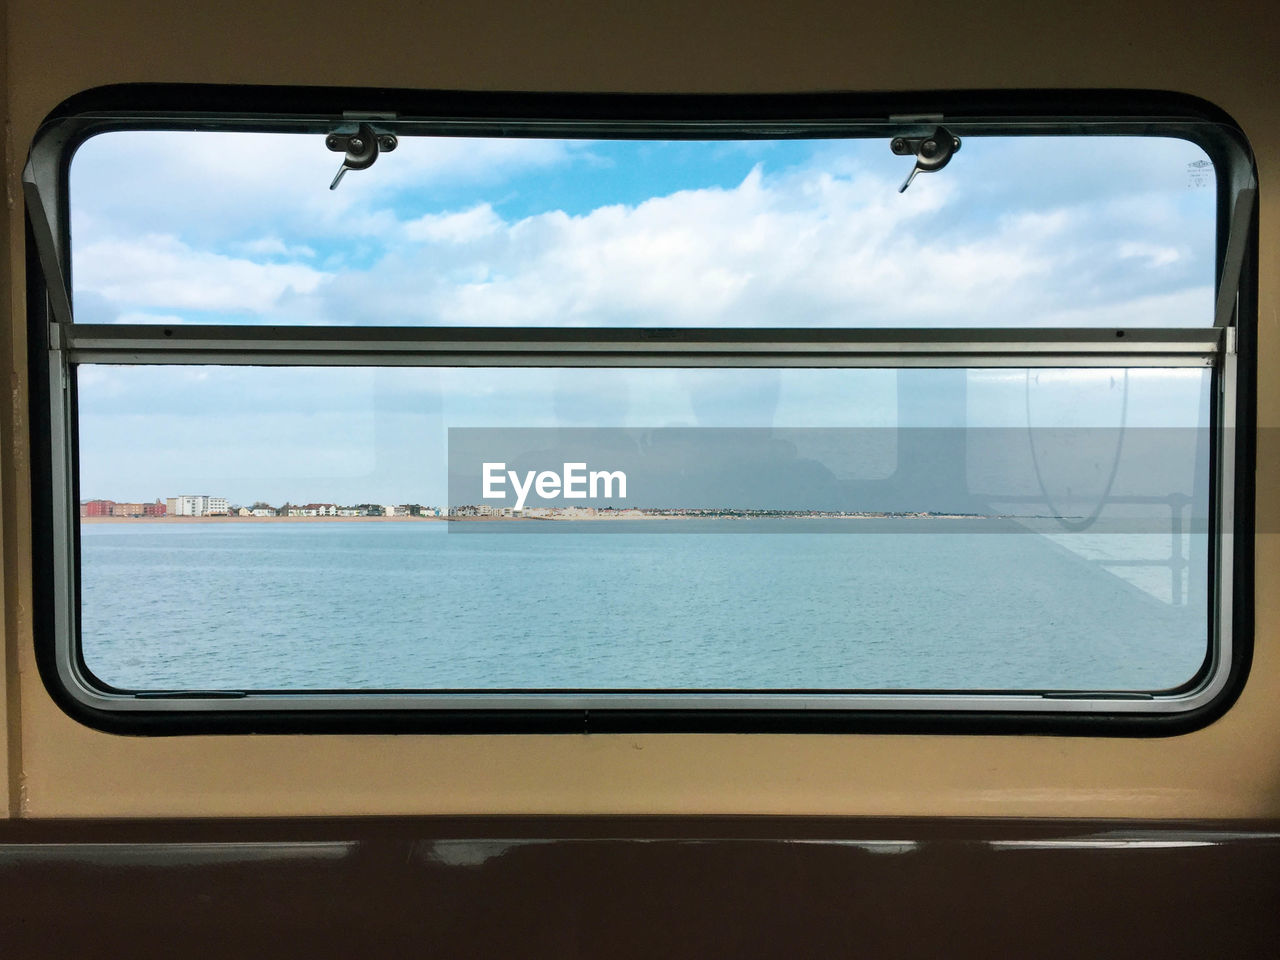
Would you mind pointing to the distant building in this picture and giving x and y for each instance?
(263, 512)
(185, 506)
(198, 506)
(488, 510)
(113, 508)
(322, 510)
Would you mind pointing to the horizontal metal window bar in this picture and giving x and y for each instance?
(506, 346)
(643, 360)
(960, 701)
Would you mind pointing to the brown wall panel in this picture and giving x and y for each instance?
(641, 887)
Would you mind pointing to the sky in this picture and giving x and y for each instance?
(241, 228)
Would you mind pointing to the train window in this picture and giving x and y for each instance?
(611, 413)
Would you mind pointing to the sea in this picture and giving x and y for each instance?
(772, 604)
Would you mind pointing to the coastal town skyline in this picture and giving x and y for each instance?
(208, 506)
(110, 510)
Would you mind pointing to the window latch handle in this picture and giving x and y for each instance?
(361, 148)
(932, 153)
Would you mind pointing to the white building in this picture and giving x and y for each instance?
(197, 506)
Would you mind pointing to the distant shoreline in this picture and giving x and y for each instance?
(622, 516)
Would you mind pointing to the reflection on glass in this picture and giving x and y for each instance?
(1004, 530)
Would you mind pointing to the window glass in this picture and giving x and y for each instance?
(884, 530)
(241, 228)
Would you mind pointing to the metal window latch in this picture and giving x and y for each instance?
(932, 153)
(361, 147)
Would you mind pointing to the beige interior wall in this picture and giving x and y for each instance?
(8, 649)
(1225, 53)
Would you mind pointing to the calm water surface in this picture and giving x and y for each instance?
(411, 605)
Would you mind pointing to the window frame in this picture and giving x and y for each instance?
(56, 344)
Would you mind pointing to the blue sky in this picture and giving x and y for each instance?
(241, 228)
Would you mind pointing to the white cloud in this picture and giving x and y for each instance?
(480, 221)
(802, 249)
(162, 272)
(273, 246)
(221, 187)
(1156, 256)
(1190, 306)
